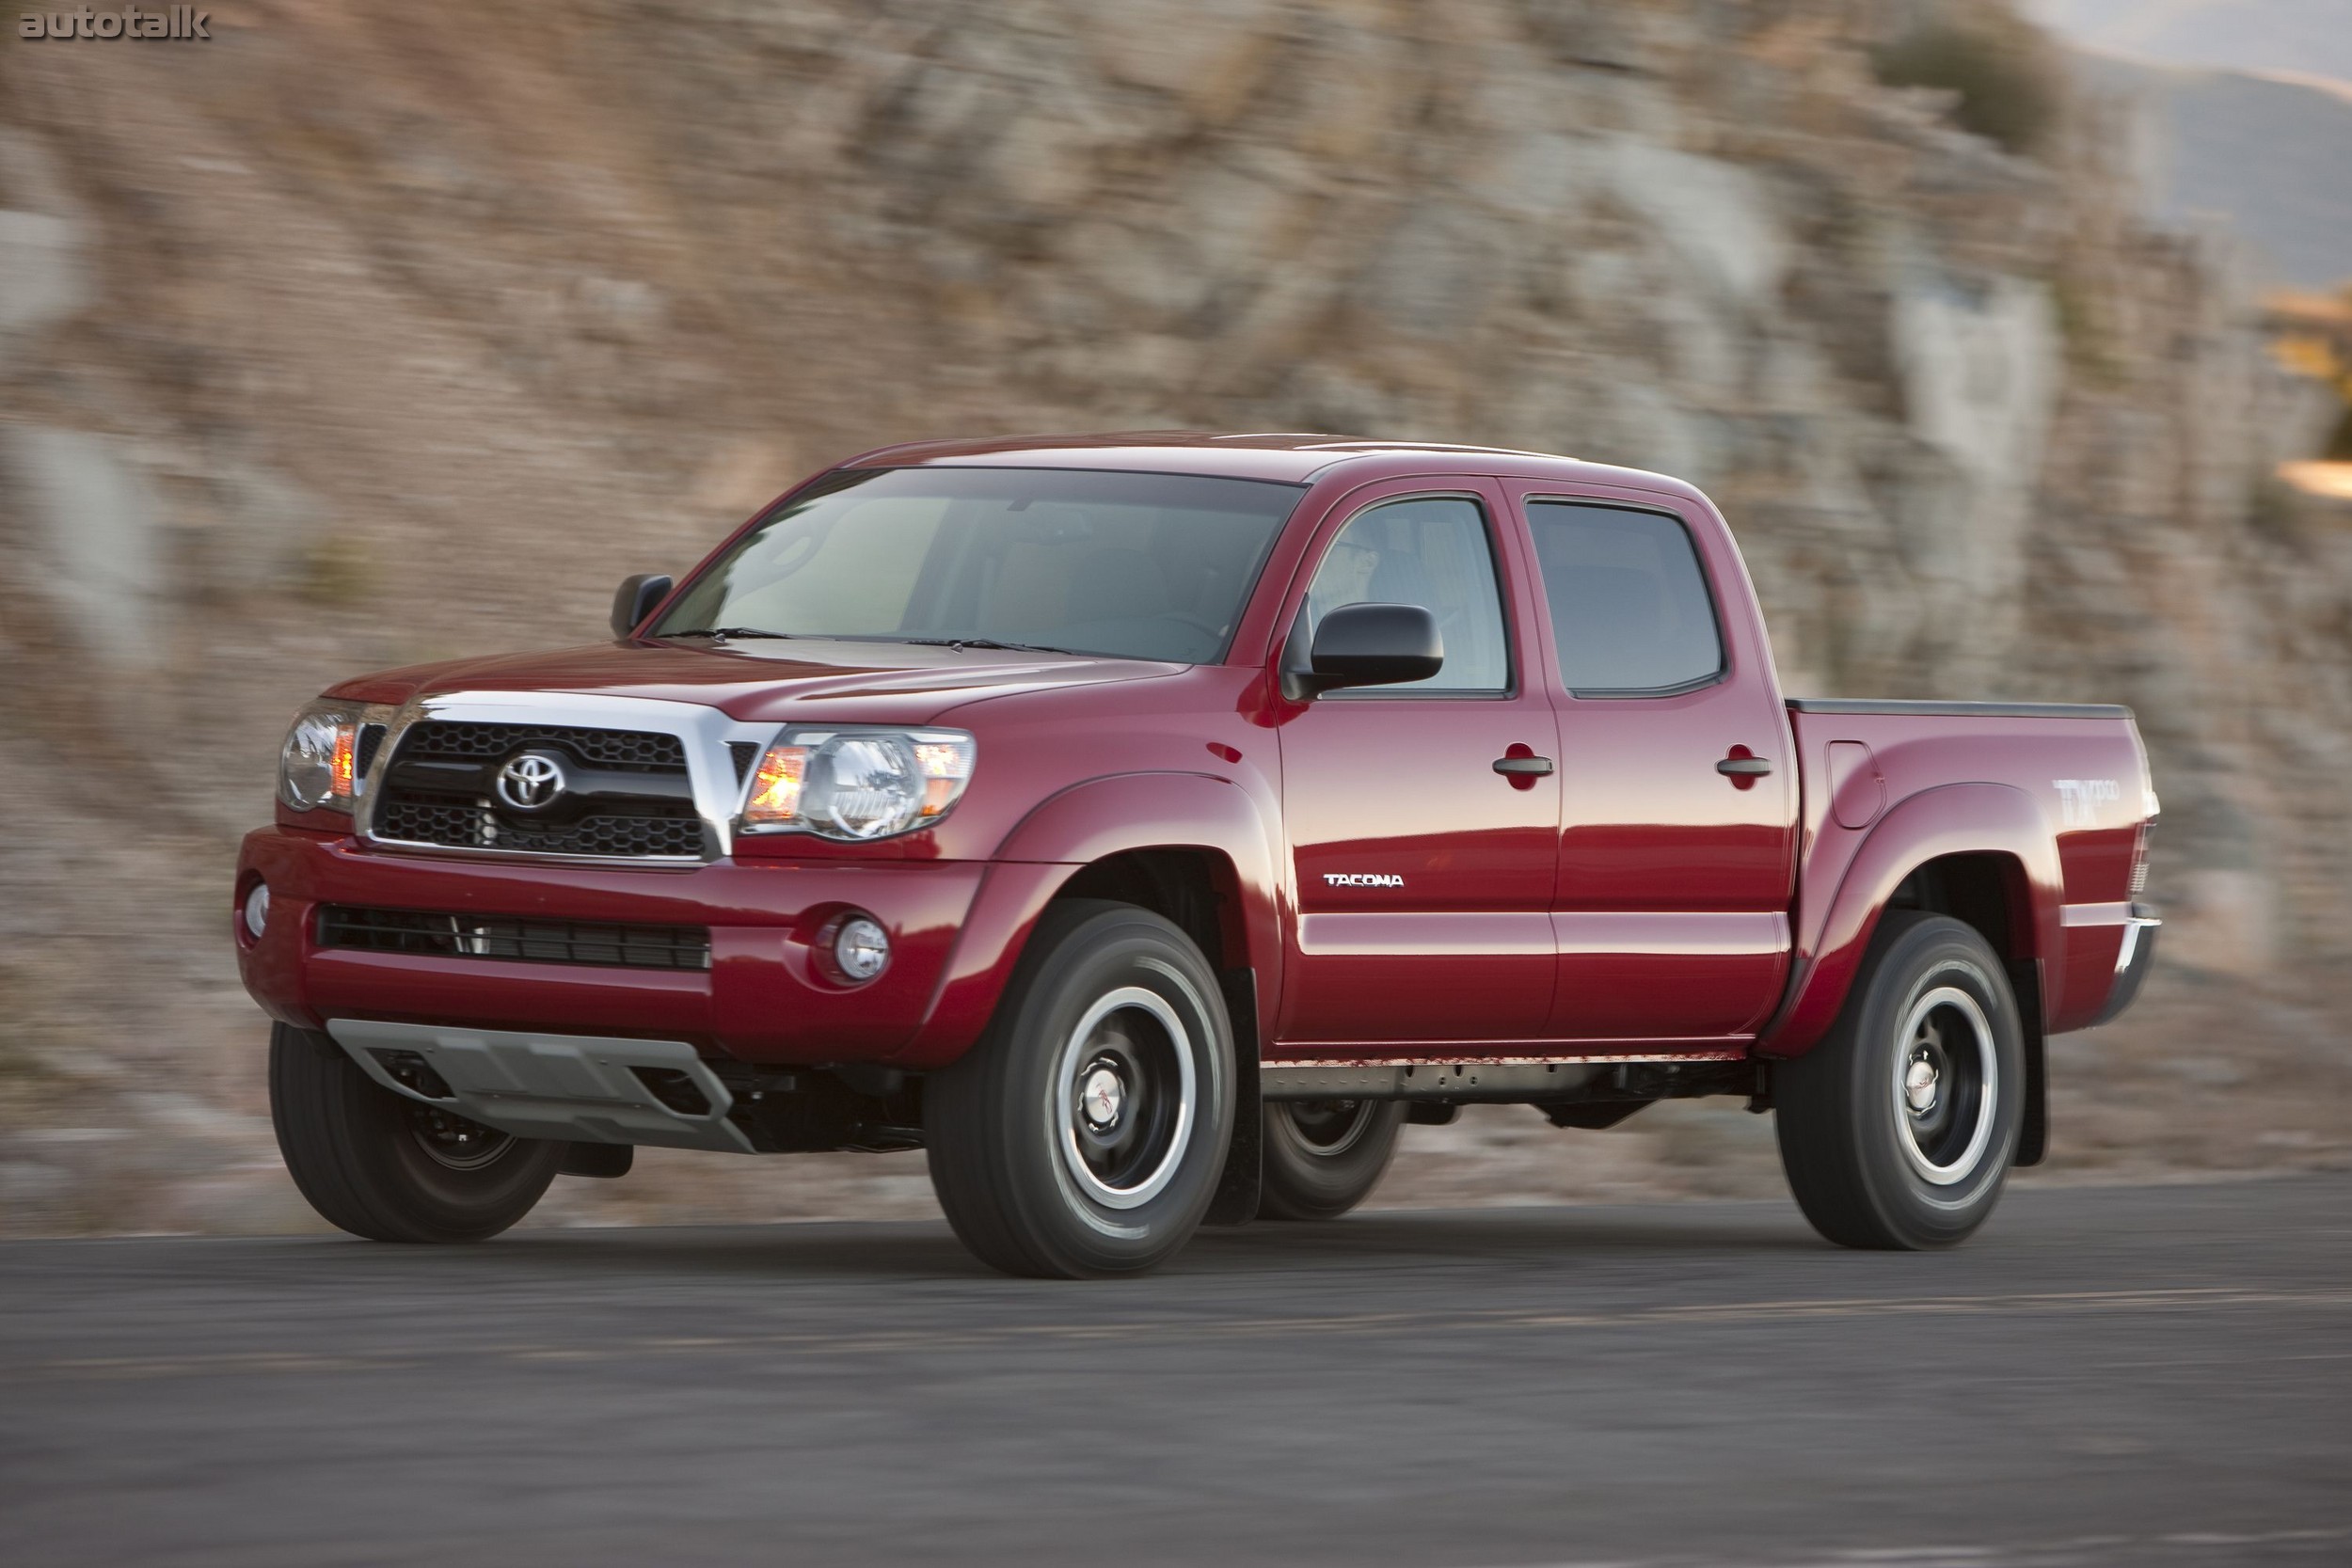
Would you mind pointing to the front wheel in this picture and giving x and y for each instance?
(1323, 1157)
(1084, 1134)
(1899, 1129)
(391, 1168)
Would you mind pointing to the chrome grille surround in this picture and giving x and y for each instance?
(706, 733)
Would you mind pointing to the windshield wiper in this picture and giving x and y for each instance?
(981, 642)
(729, 632)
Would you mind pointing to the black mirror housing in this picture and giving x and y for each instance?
(1369, 644)
(635, 598)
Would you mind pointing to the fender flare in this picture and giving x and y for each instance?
(1949, 819)
(1075, 827)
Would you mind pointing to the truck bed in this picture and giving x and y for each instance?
(2078, 767)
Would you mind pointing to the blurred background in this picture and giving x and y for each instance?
(2016, 346)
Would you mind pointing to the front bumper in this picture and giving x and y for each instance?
(764, 998)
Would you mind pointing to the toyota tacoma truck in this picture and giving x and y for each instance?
(1146, 828)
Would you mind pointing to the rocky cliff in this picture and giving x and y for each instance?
(346, 340)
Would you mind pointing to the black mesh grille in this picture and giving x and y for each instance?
(555, 941)
(645, 749)
(439, 790)
(461, 826)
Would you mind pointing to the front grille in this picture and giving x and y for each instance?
(629, 794)
(371, 736)
(484, 828)
(516, 938)
(647, 748)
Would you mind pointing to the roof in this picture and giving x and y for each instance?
(1293, 457)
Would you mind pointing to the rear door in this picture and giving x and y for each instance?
(1678, 782)
(1422, 877)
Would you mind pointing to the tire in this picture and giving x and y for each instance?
(1897, 1131)
(389, 1168)
(1323, 1157)
(1085, 1133)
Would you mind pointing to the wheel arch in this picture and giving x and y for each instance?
(1983, 853)
(1194, 848)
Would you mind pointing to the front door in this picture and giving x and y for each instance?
(1678, 790)
(1423, 876)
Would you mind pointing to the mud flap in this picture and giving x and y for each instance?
(2033, 1132)
(1237, 1188)
(606, 1161)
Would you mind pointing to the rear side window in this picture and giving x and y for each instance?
(1629, 607)
(1434, 552)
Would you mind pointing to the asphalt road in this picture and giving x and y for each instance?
(2149, 1376)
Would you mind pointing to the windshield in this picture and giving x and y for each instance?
(1131, 565)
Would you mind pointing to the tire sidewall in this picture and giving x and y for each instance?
(461, 1203)
(1925, 957)
(1102, 954)
(1304, 1181)
(349, 1145)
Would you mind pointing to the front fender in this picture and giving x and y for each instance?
(1952, 820)
(1075, 827)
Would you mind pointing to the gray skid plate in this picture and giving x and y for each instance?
(573, 1086)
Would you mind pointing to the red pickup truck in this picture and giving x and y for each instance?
(1146, 827)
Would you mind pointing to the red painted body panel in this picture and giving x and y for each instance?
(1949, 819)
(2010, 806)
(1402, 784)
(1673, 885)
(1634, 903)
(761, 999)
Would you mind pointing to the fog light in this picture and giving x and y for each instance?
(859, 948)
(257, 910)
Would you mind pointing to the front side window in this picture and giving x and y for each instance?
(1435, 552)
(1129, 566)
(1630, 611)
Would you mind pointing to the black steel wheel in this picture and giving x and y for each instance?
(391, 1168)
(1085, 1133)
(1898, 1130)
(1324, 1157)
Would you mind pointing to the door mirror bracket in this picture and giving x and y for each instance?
(634, 600)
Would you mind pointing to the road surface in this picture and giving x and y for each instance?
(2124, 1376)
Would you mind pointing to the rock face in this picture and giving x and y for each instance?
(340, 342)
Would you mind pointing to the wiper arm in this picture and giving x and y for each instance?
(729, 632)
(981, 642)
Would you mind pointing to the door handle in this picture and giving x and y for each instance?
(1531, 767)
(1744, 767)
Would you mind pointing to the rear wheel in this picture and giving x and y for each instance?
(1323, 1157)
(1084, 1134)
(1899, 1129)
(391, 1168)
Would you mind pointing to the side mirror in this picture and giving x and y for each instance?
(1366, 644)
(635, 601)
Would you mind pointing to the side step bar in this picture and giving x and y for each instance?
(1507, 1082)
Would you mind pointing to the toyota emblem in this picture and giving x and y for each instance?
(531, 782)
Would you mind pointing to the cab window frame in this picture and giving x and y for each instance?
(1489, 524)
(1723, 671)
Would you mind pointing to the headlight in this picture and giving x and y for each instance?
(324, 756)
(857, 783)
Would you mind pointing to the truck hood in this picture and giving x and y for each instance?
(811, 678)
